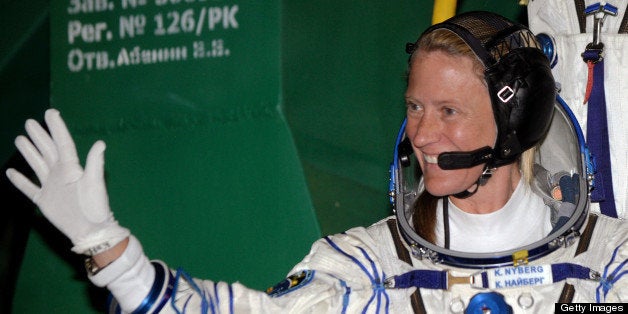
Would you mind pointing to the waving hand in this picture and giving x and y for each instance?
(73, 199)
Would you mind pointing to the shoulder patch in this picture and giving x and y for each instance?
(293, 282)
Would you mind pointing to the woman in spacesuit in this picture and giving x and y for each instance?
(489, 184)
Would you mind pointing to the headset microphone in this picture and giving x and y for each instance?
(447, 160)
(461, 160)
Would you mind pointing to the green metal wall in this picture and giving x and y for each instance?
(228, 163)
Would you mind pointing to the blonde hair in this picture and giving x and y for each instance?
(448, 42)
(526, 164)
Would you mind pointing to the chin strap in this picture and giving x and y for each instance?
(486, 174)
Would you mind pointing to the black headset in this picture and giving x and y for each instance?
(520, 84)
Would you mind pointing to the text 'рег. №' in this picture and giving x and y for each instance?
(108, 34)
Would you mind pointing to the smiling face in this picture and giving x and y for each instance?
(448, 109)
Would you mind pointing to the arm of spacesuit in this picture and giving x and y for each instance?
(336, 277)
(74, 199)
(343, 289)
(339, 275)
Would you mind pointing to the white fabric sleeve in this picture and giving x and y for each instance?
(341, 273)
(129, 278)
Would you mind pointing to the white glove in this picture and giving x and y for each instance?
(74, 200)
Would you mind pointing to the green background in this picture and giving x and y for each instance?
(228, 167)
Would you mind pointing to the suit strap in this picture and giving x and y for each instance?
(623, 27)
(582, 19)
(566, 296)
(402, 253)
(585, 238)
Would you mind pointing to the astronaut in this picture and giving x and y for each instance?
(489, 183)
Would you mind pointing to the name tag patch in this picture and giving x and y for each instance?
(508, 277)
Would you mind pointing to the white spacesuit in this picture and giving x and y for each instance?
(346, 273)
(387, 267)
(572, 30)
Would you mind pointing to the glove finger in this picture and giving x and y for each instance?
(61, 136)
(95, 163)
(42, 141)
(22, 183)
(94, 186)
(33, 157)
